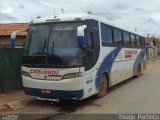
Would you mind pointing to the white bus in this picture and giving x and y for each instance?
(75, 56)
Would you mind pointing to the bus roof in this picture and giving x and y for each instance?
(75, 17)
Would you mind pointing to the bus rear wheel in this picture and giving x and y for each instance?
(103, 87)
(138, 71)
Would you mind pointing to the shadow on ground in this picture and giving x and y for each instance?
(69, 106)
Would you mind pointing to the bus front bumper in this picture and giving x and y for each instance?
(56, 94)
(64, 89)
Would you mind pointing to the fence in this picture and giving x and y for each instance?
(10, 69)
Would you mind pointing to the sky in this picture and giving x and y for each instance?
(144, 15)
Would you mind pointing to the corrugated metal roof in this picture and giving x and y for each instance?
(7, 29)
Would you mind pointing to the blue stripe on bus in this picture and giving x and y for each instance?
(138, 61)
(106, 65)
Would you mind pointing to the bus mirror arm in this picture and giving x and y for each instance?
(82, 47)
(80, 36)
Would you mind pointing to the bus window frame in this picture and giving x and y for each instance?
(122, 45)
(119, 30)
(110, 27)
(129, 44)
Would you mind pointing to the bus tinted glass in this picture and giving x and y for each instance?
(117, 37)
(106, 33)
(126, 38)
(40, 35)
(138, 41)
(53, 45)
(133, 40)
(142, 42)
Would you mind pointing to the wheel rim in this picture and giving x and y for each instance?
(139, 71)
(103, 85)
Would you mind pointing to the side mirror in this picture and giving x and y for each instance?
(80, 35)
(13, 38)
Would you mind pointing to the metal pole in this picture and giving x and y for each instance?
(135, 29)
(54, 12)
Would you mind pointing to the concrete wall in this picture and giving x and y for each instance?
(150, 53)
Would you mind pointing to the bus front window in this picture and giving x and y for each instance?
(38, 39)
(63, 45)
(53, 45)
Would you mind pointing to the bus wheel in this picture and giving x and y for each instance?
(138, 71)
(102, 90)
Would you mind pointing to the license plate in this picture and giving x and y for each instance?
(46, 91)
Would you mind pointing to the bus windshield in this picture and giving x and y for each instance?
(53, 45)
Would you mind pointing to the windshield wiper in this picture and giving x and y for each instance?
(42, 49)
(52, 48)
(44, 46)
(55, 57)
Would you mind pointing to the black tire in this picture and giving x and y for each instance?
(103, 87)
(138, 71)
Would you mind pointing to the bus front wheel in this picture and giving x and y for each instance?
(102, 89)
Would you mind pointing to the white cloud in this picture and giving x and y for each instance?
(7, 17)
(126, 13)
(7, 10)
(121, 6)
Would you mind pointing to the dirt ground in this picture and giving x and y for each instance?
(136, 95)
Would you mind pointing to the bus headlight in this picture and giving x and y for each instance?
(25, 73)
(72, 75)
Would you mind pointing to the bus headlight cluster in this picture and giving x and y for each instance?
(25, 73)
(72, 75)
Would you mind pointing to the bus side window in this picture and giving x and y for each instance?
(133, 40)
(126, 38)
(142, 41)
(117, 37)
(138, 41)
(106, 34)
